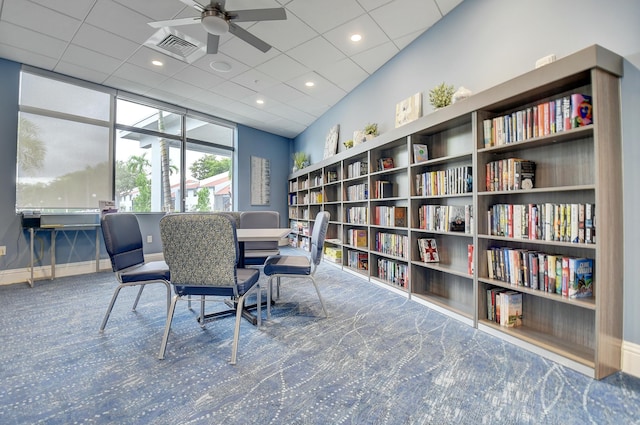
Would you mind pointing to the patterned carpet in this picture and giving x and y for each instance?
(378, 359)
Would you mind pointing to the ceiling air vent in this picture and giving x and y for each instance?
(177, 45)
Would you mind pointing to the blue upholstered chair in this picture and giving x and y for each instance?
(299, 266)
(123, 241)
(202, 253)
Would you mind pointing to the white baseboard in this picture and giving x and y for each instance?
(631, 358)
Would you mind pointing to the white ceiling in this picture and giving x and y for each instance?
(103, 41)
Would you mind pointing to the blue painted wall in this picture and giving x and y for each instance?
(483, 43)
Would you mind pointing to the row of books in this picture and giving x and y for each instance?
(385, 163)
(451, 181)
(564, 275)
(504, 307)
(573, 223)
(333, 254)
(300, 227)
(357, 215)
(540, 120)
(293, 199)
(510, 174)
(313, 197)
(382, 189)
(446, 218)
(332, 176)
(358, 192)
(392, 244)
(357, 169)
(357, 237)
(390, 216)
(358, 260)
(393, 272)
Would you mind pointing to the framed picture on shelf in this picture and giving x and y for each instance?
(409, 109)
(331, 142)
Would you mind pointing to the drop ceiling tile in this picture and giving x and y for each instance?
(205, 63)
(140, 75)
(246, 53)
(79, 71)
(282, 67)
(405, 40)
(292, 114)
(369, 5)
(89, 59)
(284, 35)
(99, 40)
(165, 96)
(156, 10)
(19, 55)
(144, 55)
(127, 85)
(117, 19)
(282, 93)
(232, 90)
(310, 105)
(371, 33)
(323, 90)
(75, 8)
(31, 41)
(315, 53)
(402, 17)
(374, 58)
(40, 19)
(250, 4)
(255, 80)
(207, 97)
(344, 74)
(447, 6)
(326, 14)
(198, 77)
(180, 88)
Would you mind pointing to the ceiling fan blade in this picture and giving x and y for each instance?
(192, 3)
(273, 14)
(245, 35)
(212, 44)
(175, 22)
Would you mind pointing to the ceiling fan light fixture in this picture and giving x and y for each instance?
(214, 23)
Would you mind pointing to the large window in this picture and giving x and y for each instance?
(63, 146)
(149, 157)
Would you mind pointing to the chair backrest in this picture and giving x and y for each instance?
(200, 249)
(260, 220)
(318, 235)
(123, 240)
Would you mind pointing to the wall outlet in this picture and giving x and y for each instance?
(149, 239)
(3, 250)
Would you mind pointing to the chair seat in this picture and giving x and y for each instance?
(287, 264)
(153, 270)
(247, 278)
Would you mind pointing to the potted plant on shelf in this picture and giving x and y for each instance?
(371, 131)
(440, 96)
(348, 144)
(300, 160)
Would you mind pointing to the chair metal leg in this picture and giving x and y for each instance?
(201, 319)
(315, 285)
(236, 332)
(167, 327)
(135, 303)
(259, 304)
(269, 287)
(113, 301)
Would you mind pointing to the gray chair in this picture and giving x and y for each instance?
(255, 253)
(299, 266)
(123, 241)
(202, 253)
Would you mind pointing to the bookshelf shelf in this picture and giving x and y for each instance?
(575, 167)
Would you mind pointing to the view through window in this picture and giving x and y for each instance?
(163, 158)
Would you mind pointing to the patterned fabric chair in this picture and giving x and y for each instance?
(202, 253)
(299, 266)
(123, 241)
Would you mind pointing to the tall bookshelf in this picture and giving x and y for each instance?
(378, 211)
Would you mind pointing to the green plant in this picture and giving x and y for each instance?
(300, 160)
(371, 129)
(348, 144)
(440, 96)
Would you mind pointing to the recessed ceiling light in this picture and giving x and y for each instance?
(356, 37)
(260, 102)
(157, 63)
(220, 66)
(309, 84)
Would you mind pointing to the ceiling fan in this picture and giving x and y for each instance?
(216, 20)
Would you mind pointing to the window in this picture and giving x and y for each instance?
(72, 153)
(63, 146)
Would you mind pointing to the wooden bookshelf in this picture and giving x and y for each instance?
(578, 165)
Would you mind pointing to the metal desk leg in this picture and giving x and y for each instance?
(53, 254)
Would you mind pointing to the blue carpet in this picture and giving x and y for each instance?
(378, 359)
